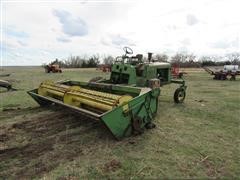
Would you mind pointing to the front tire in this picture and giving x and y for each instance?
(179, 95)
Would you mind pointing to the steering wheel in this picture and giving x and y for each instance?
(128, 50)
(118, 59)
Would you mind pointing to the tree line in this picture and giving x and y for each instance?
(181, 59)
(78, 62)
(191, 60)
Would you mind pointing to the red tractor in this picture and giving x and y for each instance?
(175, 71)
(54, 68)
(105, 67)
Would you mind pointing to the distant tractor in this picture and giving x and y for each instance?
(230, 71)
(175, 71)
(104, 67)
(54, 68)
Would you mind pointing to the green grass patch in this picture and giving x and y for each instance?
(197, 139)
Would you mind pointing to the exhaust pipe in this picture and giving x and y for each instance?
(149, 57)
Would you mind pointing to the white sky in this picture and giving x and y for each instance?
(36, 32)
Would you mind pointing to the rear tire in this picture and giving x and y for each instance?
(233, 78)
(9, 87)
(180, 75)
(179, 95)
(223, 77)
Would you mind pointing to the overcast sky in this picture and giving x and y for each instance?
(36, 32)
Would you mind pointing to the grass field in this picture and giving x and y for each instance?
(197, 139)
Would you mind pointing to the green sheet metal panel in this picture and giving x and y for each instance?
(143, 107)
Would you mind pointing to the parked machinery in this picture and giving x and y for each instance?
(7, 85)
(132, 71)
(4, 75)
(104, 67)
(126, 103)
(54, 68)
(228, 72)
(175, 70)
(125, 110)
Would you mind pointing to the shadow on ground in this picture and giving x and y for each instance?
(37, 140)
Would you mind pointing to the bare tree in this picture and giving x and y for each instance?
(179, 57)
(234, 58)
(108, 60)
(161, 57)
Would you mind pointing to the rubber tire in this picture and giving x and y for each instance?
(233, 78)
(180, 75)
(150, 125)
(176, 94)
(9, 87)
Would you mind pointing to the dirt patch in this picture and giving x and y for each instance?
(201, 100)
(210, 168)
(3, 137)
(112, 165)
(41, 141)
